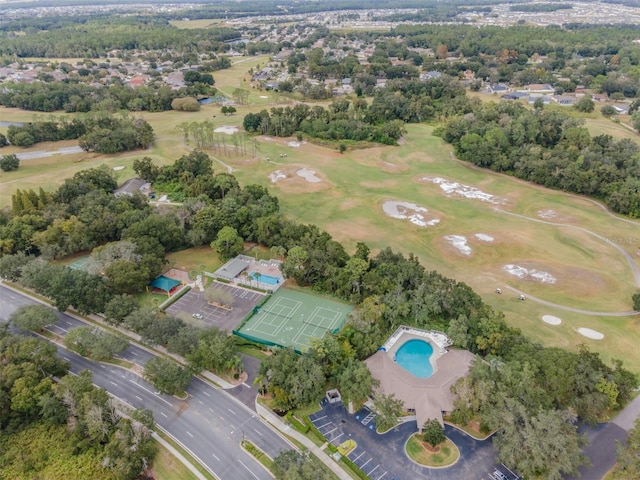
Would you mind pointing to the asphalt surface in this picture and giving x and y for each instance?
(210, 424)
(602, 447)
(382, 456)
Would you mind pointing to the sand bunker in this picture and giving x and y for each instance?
(120, 167)
(294, 144)
(277, 175)
(526, 274)
(459, 242)
(484, 237)
(551, 319)
(309, 175)
(408, 211)
(263, 96)
(227, 130)
(592, 334)
(547, 214)
(461, 190)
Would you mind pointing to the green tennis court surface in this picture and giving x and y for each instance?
(291, 319)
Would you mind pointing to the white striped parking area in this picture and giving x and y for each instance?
(336, 435)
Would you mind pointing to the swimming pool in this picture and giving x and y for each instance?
(415, 357)
(262, 278)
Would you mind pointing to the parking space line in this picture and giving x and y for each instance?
(358, 457)
(381, 476)
(337, 437)
(376, 467)
(365, 463)
(332, 430)
(320, 418)
(328, 423)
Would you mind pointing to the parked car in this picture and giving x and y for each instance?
(198, 316)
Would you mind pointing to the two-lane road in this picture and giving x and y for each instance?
(210, 423)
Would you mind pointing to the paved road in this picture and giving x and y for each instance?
(210, 423)
(602, 447)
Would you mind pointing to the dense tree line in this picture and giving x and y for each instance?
(68, 429)
(78, 97)
(102, 133)
(338, 122)
(551, 149)
(94, 38)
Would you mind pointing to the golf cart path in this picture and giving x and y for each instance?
(630, 260)
(571, 309)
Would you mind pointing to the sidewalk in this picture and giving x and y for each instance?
(274, 420)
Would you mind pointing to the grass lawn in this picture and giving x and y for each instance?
(167, 467)
(195, 260)
(417, 450)
(590, 273)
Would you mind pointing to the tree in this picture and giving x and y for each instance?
(186, 104)
(354, 381)
(228, 243)
(11, 265)
(433, 432)
(119, 307)
(585, 104)
(166, 375)
(635, 120)
(216, 351)
(219, 296)
(628, 457)
(240, 96)
(32, 317)
(9, 162)
(389, 410)
(636, 301)
(290, 465)
(608, 111)
(94, 343)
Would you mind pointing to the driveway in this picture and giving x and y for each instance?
(382, 457)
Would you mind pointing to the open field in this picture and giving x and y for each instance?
(581, 250)
(167, 467)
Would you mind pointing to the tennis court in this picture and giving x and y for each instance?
(291, 319)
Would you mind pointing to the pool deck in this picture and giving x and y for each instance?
(429, 397)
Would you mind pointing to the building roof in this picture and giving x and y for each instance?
(429, 397)
(130, 187)
(232, 268)
(165, 283)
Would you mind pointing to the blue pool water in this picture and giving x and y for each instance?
(262, 278)
(414, 356)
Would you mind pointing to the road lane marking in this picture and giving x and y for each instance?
(134, 353)
(188, 433)
(200, 402)
(164, 414)
(102, 366)
(113, 383)
(147, 390)
(215, 456)
(248, 469)
(231, 411)
(138, 398)
(258, 432)
(206, 394)
(68, 322)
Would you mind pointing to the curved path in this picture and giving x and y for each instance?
(571, 309)
(630, 260)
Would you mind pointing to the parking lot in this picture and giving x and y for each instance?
(194, 302)
(502, 472)
(382, 457)
(336, 434)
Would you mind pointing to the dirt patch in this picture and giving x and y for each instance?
(459, 242)
(309, 175)
(276, 176)
(392, 167)
(348, 204)
(530, 274)
(383, 184)
(451, 188)
(409, 211)
(226, 129)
